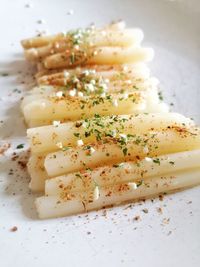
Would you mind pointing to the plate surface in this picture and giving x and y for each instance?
(168, 235)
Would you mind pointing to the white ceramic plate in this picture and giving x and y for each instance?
(111, 238)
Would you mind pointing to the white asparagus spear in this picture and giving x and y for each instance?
(45, 139)
(153, 108)
(123, 173)
(55, 206)
(40, 40)
(138, 100)
(170, 140)
(131, 77)
(139, 70)
(113, 86)
(122, 38)
(109, 37)
(103, 55)
(100, 87)
(46, 39)
(74, 108)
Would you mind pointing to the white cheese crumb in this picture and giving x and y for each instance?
(92, 71)
(57, 45)
(84, 125)
(80, 94)
(80, 143)
(59, 144)
(75, 80)
(114, 133)
(78, 35)
(103, 95)
(76, 47)
(125, 95)
(93, 82)
(56, 123)
(133, 185)
(65, 73)
(125, 68)
(128, 82)
(124, 136)
(115, 103)
(89, 87)
(107, 80)
(148, 159)
(92, 150)
(104, 86)
(146, 149)
(86, 72)
(72, 92)
(59, 94)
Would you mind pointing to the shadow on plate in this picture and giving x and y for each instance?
(14, 169)
(21, 70)
(20, 74)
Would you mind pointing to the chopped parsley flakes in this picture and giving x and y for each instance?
(20, 146)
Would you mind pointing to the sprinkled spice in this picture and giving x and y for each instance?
(14, 229)
(166, 220)
(4, 147)
(161, 197)
(136, 218)
(145, 210)
(118, 165)
(159, 210)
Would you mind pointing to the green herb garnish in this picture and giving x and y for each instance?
(157, 161)
(20, 146)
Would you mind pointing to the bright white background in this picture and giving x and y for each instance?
(172, 28)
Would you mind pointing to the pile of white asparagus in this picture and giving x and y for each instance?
(98, 131)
